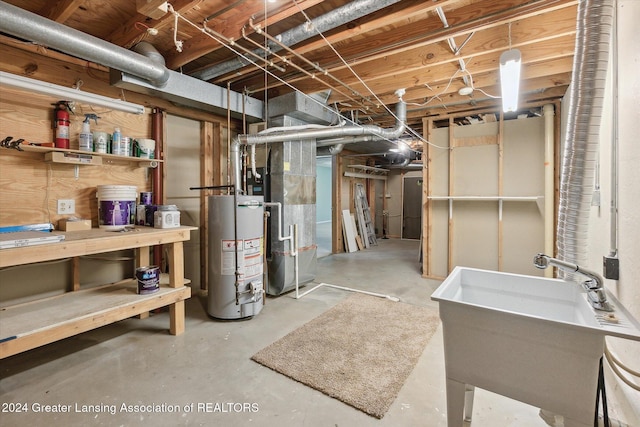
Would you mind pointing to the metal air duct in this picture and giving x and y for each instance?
(142, 71)
(326, 22)
(323, 133)
(594, 26)
(24, 24)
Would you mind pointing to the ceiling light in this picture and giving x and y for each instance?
(510, 62)
(68, 94)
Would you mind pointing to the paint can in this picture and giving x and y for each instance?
(101, 142)
(148, 279)
(145, 148)
(116, 206)
(146, 198)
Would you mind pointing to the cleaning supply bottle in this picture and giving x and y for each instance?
(86, 137)
(116, 141)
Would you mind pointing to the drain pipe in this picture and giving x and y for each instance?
(24, 24)
(594, 26)
(549, 190)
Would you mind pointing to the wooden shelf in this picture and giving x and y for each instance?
(488, 198)
(105, 158)
(368, 172)
(94, 241)
(30, 325)
(44, 321)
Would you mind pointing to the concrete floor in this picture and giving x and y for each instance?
(136, 362)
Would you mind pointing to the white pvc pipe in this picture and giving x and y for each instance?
(549, 181)
(344, 288)
(280, 223)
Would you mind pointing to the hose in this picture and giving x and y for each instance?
(614, 363)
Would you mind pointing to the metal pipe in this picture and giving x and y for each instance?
(329, 132)
(24, 24)
(332, 132)
(594, 286)
(549, 182)
(613, 237)
(302, 32)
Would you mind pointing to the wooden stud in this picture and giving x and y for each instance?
(500, 189)
(207, 133)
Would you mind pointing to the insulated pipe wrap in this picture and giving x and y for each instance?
(27, 25)
(593, 35)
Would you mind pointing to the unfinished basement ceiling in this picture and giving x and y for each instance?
(367, 50)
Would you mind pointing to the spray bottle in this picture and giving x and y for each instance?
(86, 137)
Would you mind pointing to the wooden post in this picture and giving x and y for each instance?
(427, 218)
(207, 133)
(500, 189)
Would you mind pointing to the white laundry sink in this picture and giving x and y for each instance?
(534, 339)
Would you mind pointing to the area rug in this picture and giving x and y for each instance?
(360, 352)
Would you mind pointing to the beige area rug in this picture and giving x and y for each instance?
(360, 352)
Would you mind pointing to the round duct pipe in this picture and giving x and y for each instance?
(24, 24)
(593, 34)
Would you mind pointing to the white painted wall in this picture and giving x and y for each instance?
(623, 400)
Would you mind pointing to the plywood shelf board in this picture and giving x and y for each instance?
(33, 324)
(488, 198)
(105, 156)
(52, 312)
(93, 241)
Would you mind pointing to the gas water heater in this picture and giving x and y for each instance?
(236, 256)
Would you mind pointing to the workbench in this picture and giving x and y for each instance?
(32, 324)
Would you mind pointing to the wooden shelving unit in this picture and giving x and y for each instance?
(33, 324)
(105, 159)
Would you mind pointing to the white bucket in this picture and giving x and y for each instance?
(116, 206)
(145, 148)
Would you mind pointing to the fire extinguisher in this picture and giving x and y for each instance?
(61, 124)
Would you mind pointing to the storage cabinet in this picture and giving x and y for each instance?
(33, 324)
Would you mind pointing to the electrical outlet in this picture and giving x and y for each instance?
(66, 206)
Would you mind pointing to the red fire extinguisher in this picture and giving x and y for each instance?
(61, 124)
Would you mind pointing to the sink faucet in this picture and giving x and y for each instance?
(593, 286)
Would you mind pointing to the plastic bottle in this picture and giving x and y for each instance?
(86, 137)
(116, 142)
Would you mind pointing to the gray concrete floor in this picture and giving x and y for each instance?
(208, 370)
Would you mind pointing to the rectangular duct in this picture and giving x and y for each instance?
(191, 92)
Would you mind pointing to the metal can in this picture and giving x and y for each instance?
(148, 279)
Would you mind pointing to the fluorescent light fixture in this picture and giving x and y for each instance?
(510, 62)
(68, 94)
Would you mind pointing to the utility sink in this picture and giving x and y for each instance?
(534, 339)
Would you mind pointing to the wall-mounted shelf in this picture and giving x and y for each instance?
(538, 199)
(489, 198)
(367, 172)
(77, 157)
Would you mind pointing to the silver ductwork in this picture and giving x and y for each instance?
(594, 27)
(24, 24)
(330, 150)
(326, 22)
(142, 71)
(323, 133)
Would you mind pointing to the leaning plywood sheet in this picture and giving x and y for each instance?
(349, 231)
